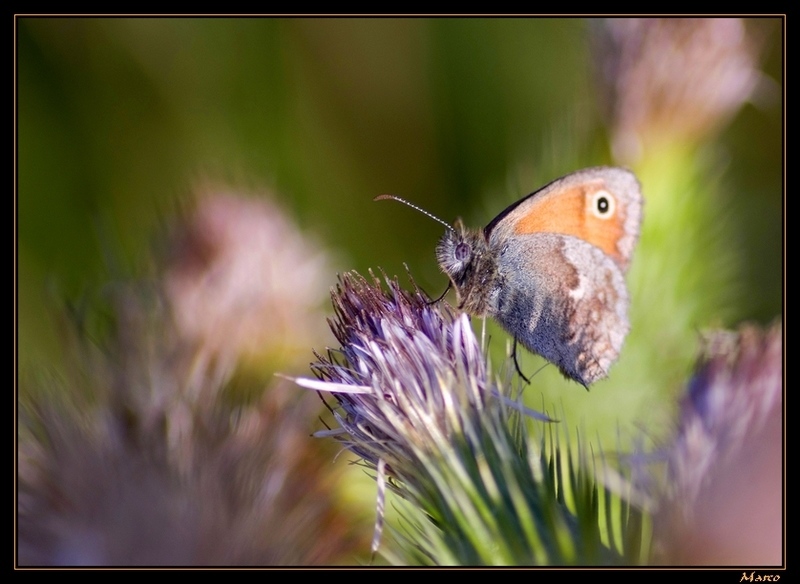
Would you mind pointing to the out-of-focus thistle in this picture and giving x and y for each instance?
(241, 278)
(156, 449)
(416, 402)
(722, 504)
(672, 79)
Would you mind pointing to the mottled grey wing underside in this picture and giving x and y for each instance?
(565, 300)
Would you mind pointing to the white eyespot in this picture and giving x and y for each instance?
(579, 291)
(602, 204)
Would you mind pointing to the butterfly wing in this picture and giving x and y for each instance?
(575, 318)
(601, 205)
(561, 254)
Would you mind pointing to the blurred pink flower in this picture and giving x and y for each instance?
(672, 79)
(242, 280)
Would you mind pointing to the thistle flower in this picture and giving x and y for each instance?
(672, 79)
(144, 454)
(416, 402)
(722, 504)
(240, 279)
(251, 490)
(407, 373)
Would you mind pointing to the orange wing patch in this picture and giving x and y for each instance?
(568, 213)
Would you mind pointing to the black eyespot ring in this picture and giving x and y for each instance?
(602, 204)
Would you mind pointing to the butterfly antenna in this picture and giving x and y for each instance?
(413, 206)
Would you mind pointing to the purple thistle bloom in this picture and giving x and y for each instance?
(406, 373)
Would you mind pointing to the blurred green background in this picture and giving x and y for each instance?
(119, 119)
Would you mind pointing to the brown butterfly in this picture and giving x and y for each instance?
(550, 268)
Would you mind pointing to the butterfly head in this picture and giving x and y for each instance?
(463, 254)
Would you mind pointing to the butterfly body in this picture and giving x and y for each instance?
(550, 269)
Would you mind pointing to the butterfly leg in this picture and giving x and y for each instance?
(516, 364)
(446, 290)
